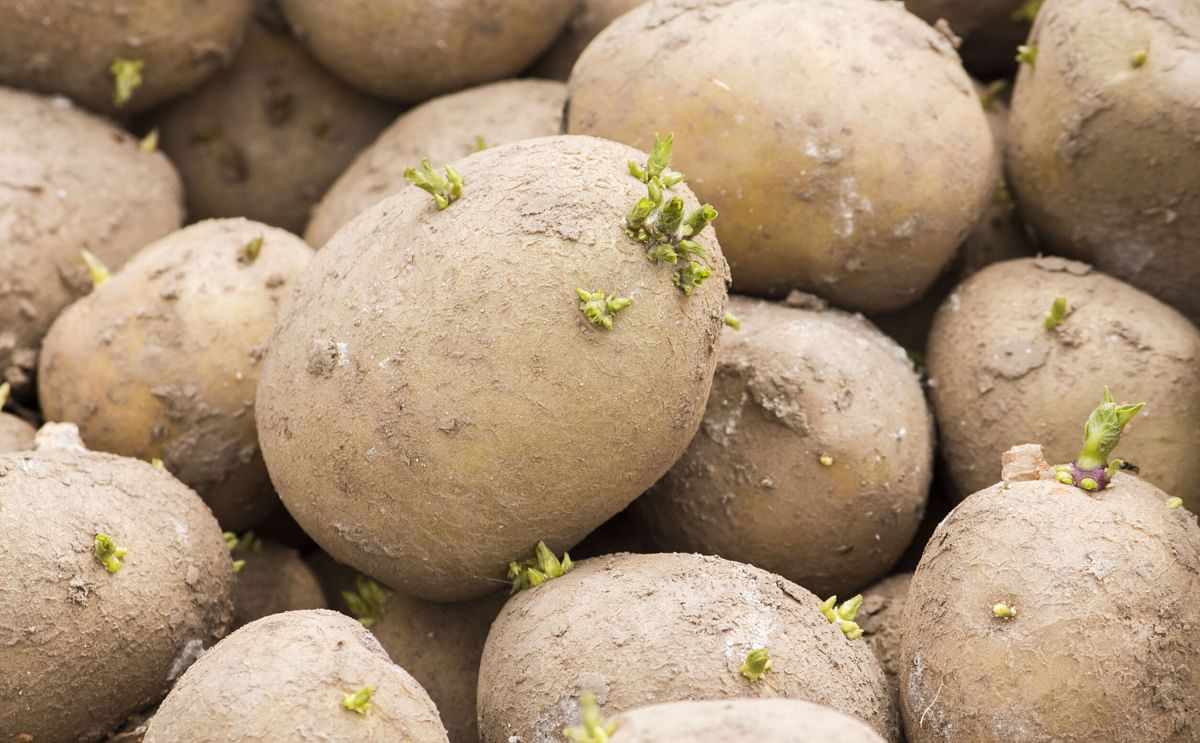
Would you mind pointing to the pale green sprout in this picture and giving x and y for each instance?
(1004, 611)
(990, 96)
(536, 570)
(4, 391)
(732, 321)
(1058, 313)
(443, 190)
(843, 615)
(1139, 58)
(366, 602)
(251, 250)
(690, 276)
(1002, 197)
(658, 164)
(358, 701)
(480, 143)
(600, 308)
(1028, 10)
(756, 665)
(1027, 54)
(1101, 434)
(1175, 502)
(825, 460)
(247, 542)
(149, 143)
(127, 77)
(157, 463)
(108, 553)
(594, 728)
(98, 270)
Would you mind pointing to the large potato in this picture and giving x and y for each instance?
(846, 148)
(590, 18)
(70, 47)
(758, 720)
(434, 401)
(162, 360)
(84, 644)
(1103, 154)
(69, 181)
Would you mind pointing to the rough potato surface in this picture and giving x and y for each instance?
(759, 720)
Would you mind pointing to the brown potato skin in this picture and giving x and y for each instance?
(443, 130)
(989, 29)
(267, 137)
(283, 678)
(69, 181)
(366, 407)
(67, 47)
(413, 51)
(273, 580)
(589, 19)
(644, 629)
(828, 177)
(84, 648)
(1103, 155)
(880, 619)
(722, 721)
(791, 386)
(999, 378)
(163, 359)
(1107, 591)
(15, 434)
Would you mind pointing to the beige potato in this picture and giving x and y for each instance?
(846, 149)
(162, 360)
(880, 619)
(83, 646)
(272, 579)
(589, 19)
(69, 181)
(759, 720)
(16, 434)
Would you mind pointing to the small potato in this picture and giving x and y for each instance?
(758, 720)
(880, 618)
(162, 360)
(16, 434)
(590, 18)
(271, 579)
(294, 677)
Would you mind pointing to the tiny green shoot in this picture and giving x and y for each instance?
(990, 97)
(732, 321)
(1004, 611)
(1028, 10)
(594, 728)
(1058, 313)
(250, 251)
(149, 143)
(1027, 54)
(1139, 58)
(536, 570)
(825, 460)
(358, 701)
(599, 308)
(157, 463)
(843, 615)
(366, 602)
(99, 272)
(246, 542)
(5, 389)
(108, 553)
(1002, 197)
(1092, 470)
(127, 77)
(480, 143)
(443, 190)
(1174, 502)
(756, 665)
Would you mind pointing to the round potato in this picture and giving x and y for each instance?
(16, 434)
(161, 361)
(880, 618)
(589, 19)
(68, 181)
(300, 675)
(759, 720)
(815, 455)
(117, 579)
(1103, 154)
(271, 579)
(442, 130)
(413, 51)
(643, 629)
(113, 55)
(427, 351)
(846, 150)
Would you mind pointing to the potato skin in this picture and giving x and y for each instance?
(759, 720)
(283, 678)
(880, 618)
(412, 51)
(443, 130)
(367, 407)
(84, 648)
(1107, 592)
(852, 187)
(15, 434)
(163, 359)
(589, 19)
(792, 386)
(273, 580)
(643, 629)
(999, 378)
(67, 47)
(1103, 155)
(68, 181)
(267, 137)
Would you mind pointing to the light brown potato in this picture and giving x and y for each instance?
(431, 351)
(846, 150)
(69, 181)
(267, 137)
(1106, 589)
(272, 580)
(284, 677)
(443, 130)
(880, 619)
(998, 377)
(1103, 155)
(16, 434)
(759, 720)
(412, 51)
(815, 455)
(643, 629)
(589, 19)
(84, 647)
(69, 47)
(162, 360)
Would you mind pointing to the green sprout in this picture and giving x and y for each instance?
(1002, 197)
(594, 729)
(690, 276)
(1027, 54)
(358, 701)
(990, 96)
(99, 272)
(443, 190)
(843, 615)
(1175, 502)
(536, 570)
(1091, 470)
(1139, 58)
(149, 143)
(756, 665)
(127, 76)
(108, 553)
(825, 460)
(658, 164)
(732, 321)
(366, 602)
(1028, 10)
(157, 463)
(600, 308)
(480, 143)
(1058, 313)
(4, 391)
(1004, 611)
(247, 542)
(250, 251)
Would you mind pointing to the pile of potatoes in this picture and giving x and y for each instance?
(599, 371)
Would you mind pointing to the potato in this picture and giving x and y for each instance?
(760, 720)
(590, 18)
(427, 351)
(1042, 612)
(814, 457)
(644, 629)
(85, 646)
(267, 137)
(295, 676)
(162, 360)
(880, 618)
(1103, 154)
(71, 48)
(15, 433)
(271, 579)
(442, 130)
(998, 375)
(413, 51)
(68, 181)
(846, 149)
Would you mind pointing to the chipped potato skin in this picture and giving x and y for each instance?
(722, 721)
(83, 648)
(274, 579)
(999, 378)
(162, 360)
